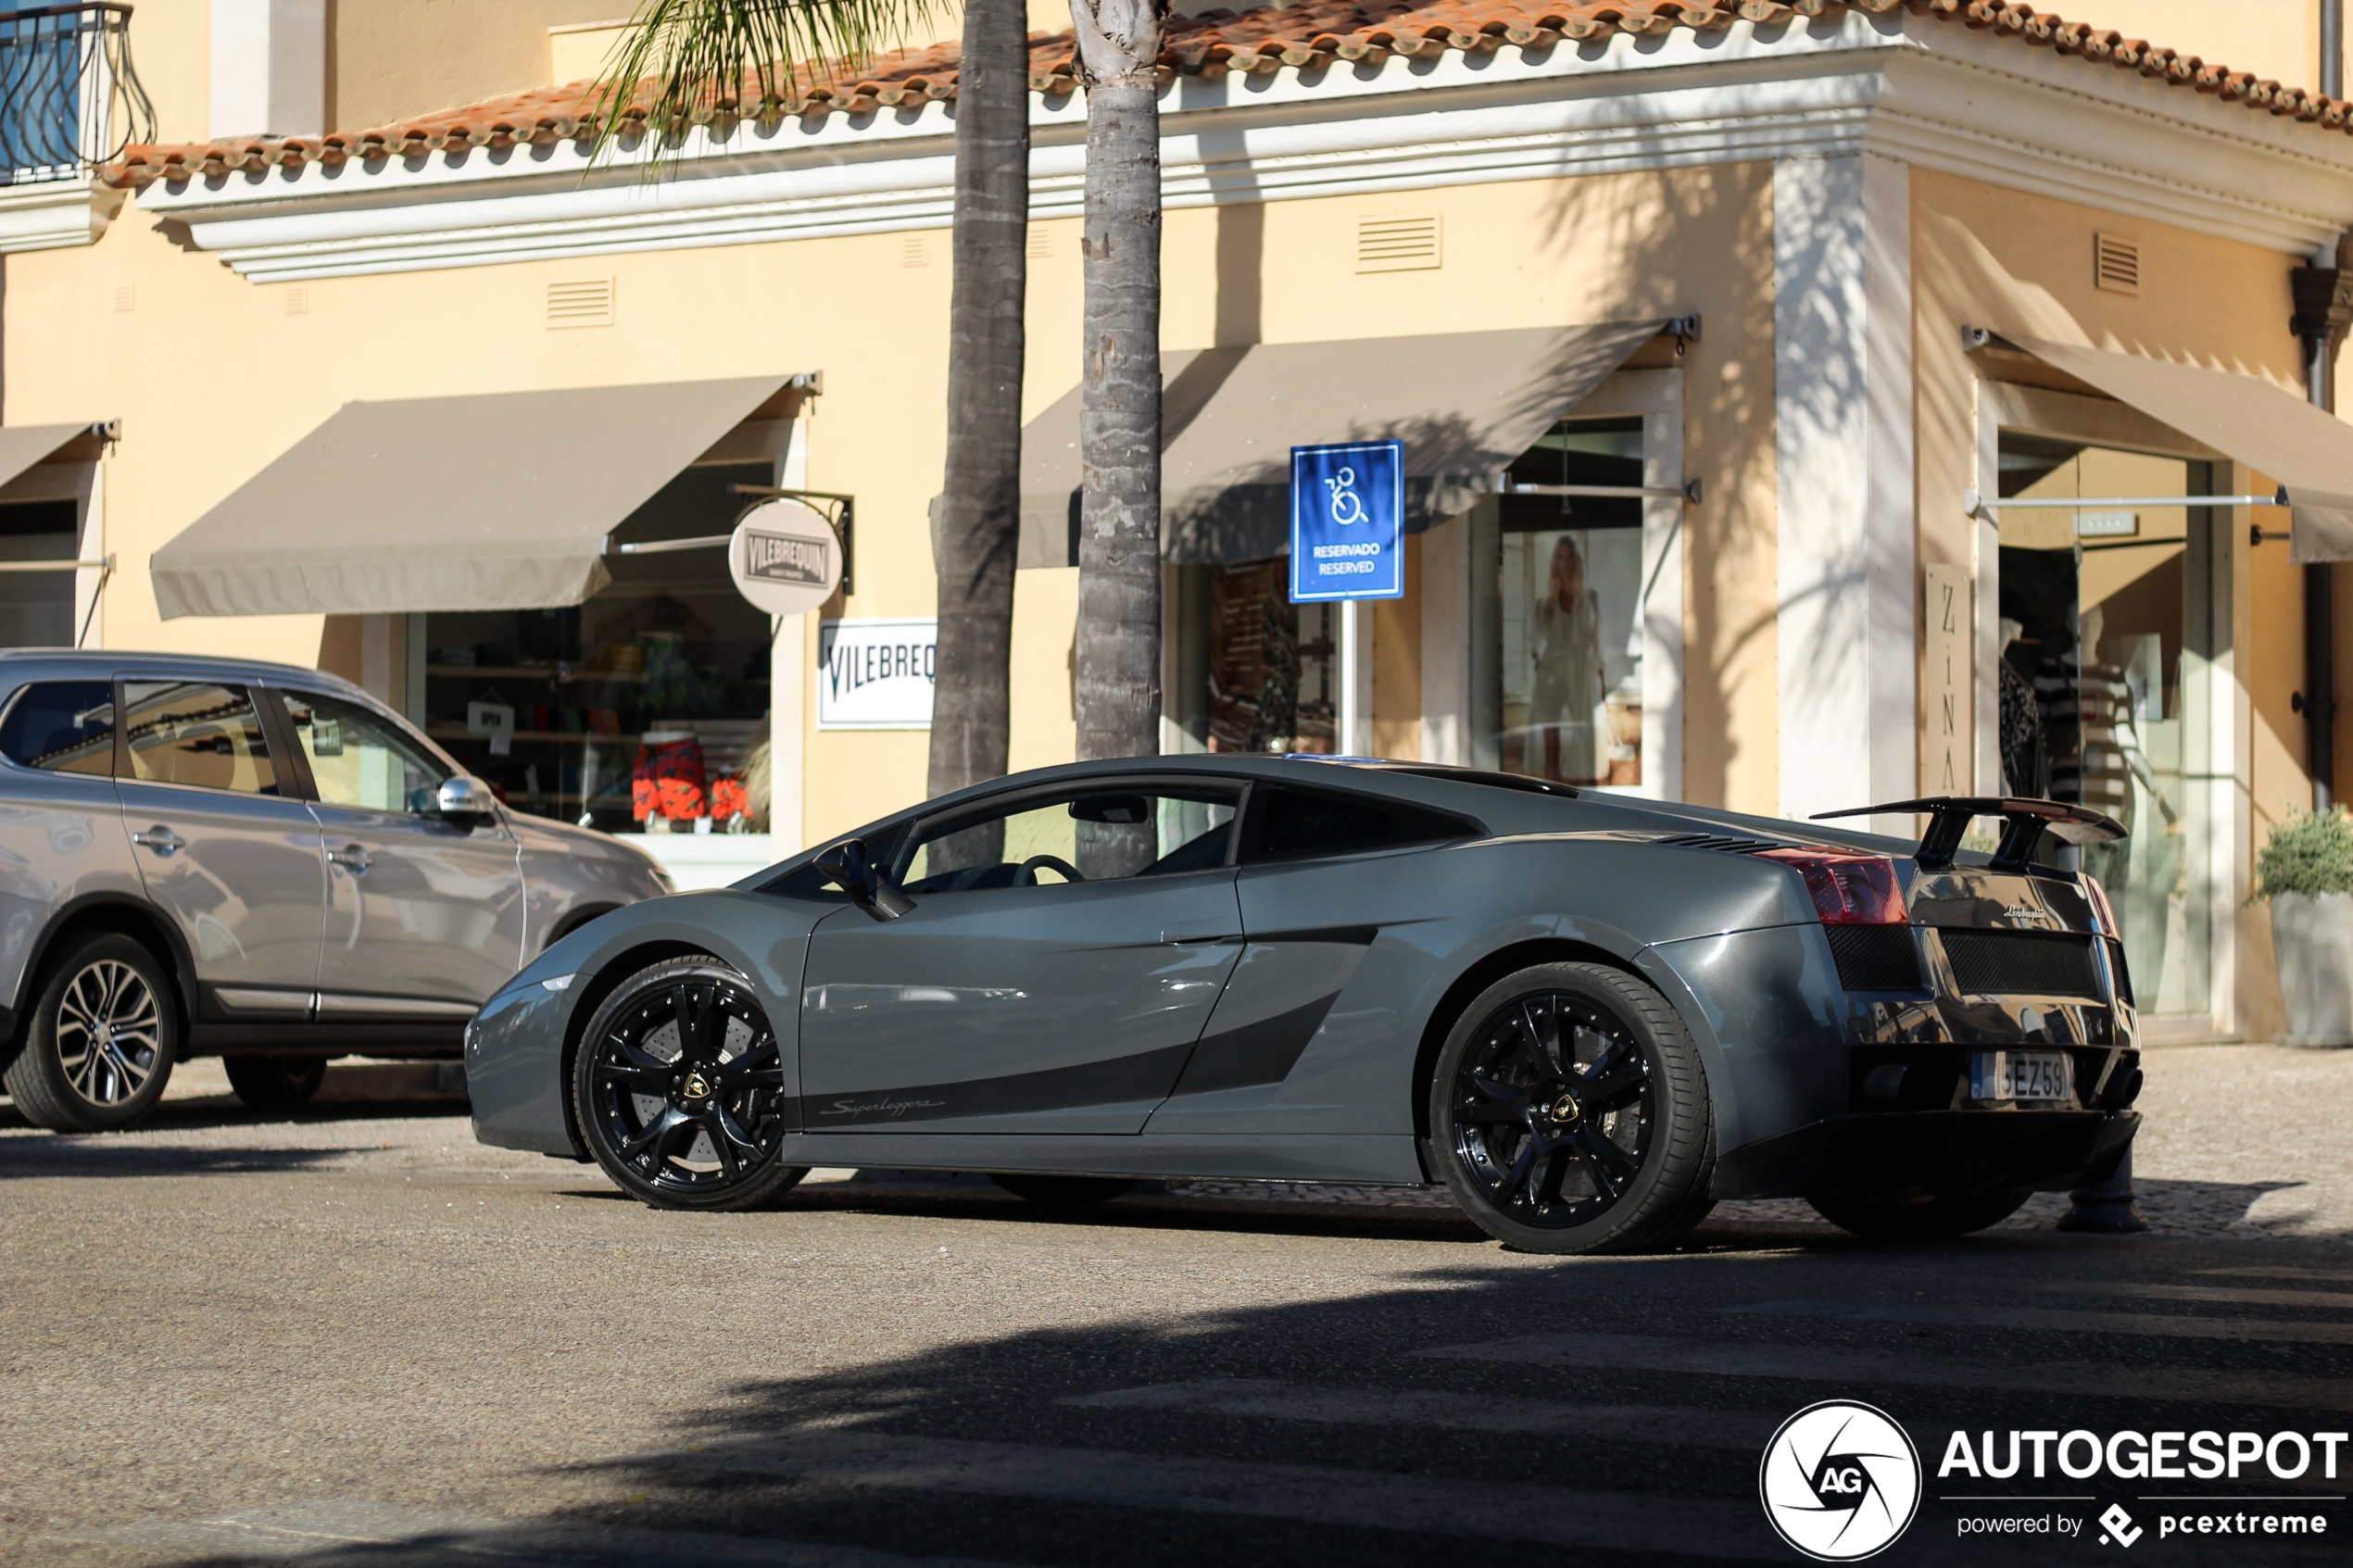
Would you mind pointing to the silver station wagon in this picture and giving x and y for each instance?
(221, 857)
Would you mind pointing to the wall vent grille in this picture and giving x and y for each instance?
(298, 299)
(2116, 263)
(1041, 241)
(587, 303)
(126, 298)
(914, 250)
(1398, 244)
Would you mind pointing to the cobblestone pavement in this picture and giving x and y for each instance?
(356, 1336)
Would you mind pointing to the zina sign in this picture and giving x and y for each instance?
(785, 558)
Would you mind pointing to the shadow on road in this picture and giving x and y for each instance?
(1610, 1407)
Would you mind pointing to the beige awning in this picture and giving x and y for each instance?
(500, 501)
(23, 446)
(2308, 450)
(1465, 404)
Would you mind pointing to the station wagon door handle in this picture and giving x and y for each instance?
(1199, 931)
(160, 839)
(351, 858)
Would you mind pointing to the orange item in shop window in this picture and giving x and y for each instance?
(668, 781)
(729, 797)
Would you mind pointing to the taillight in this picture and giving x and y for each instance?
(2101, 913)
(1847, 888)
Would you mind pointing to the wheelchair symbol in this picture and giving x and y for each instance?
(1348, 509)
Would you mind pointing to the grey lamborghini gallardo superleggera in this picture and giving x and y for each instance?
(1589, 1017)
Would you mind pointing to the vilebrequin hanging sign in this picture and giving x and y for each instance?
(785, 558)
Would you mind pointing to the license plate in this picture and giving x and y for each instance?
(2043, 1075)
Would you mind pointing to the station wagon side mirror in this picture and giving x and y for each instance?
(464, 803)
(867, 883)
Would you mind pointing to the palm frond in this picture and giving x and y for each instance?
(683, 63)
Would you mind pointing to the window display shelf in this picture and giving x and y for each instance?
(554, 675)
(458, 732)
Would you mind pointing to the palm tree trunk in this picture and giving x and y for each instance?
(1119, 696)
(979, 530)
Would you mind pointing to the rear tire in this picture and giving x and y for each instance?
(1569, 1114)
(275, 1083)
(1919, 1219)
(1065, 1192)
(100, 1044)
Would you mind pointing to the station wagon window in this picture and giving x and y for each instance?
(358, 759)
(61, 727)
(1095, 835)
(194, 733)
(1296, 825)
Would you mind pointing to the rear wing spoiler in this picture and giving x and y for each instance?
(2023, 822)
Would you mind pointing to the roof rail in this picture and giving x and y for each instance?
(2023, 822)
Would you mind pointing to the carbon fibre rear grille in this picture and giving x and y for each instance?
(2029, 963)
(1876, 957)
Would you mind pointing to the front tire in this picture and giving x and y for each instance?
(102, 1040)
(1569, 1114)
(1919, 1219)
(679, 1086)
(275, 1083)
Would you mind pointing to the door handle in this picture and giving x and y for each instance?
(1199, 931)
(160, 839)
(351, 858)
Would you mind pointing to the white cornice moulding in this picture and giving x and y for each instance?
(53, 214)
(1931, 93)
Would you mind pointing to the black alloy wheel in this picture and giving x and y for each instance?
(679, 1085)
(102, 1040)
(1569, 1114)
(275, 1083)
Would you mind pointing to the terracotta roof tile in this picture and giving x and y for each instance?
(1301, 36)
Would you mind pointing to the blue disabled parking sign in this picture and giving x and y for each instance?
(1348, 521)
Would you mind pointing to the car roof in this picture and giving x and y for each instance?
(20, 665)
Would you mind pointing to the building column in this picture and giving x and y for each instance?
(1843, 419)
(269, 68)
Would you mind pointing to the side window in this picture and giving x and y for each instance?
(1296, 825)
(61, 727)
(195, 733)
(1095, 835)
(359, 759)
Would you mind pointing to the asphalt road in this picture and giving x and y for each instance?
(355, 1337)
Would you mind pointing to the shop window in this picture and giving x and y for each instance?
(1255, 672)
(643, 709)
(1558, 695)
(2105, 635)
(36, 608)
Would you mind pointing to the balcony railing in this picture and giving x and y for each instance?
(69, 101)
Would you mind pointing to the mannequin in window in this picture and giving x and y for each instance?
(1564, 640)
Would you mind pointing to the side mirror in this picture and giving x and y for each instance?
(464, 802)
(868, 885)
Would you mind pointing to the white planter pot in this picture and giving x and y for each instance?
(2312, 935)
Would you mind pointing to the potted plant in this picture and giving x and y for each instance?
(2305, 870)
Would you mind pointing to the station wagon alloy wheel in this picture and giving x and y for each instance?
(1569, 1114)
(102, 1040)
(109, 1032)
(681, 1089)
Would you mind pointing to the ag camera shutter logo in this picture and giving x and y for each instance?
(1839, 1481)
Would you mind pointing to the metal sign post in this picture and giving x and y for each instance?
(1348, 545)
